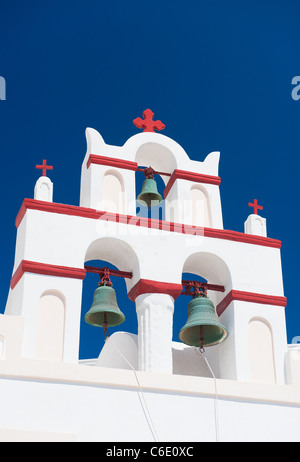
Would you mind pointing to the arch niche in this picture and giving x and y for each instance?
(112, 196)
(261, 351)
(200, 210)
(50, 326)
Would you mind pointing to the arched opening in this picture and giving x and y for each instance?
(199, 207)
(161, 159)
(211, 269)
(261, 352)
(114, 254)
(92, 338)
(187, 359)
(112, 194)
(209, 266)
(156, 211)
(50, 326)
(181, 304)
(158, 157)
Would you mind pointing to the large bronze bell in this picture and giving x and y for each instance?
(202, 327)
(149, 194)
(104, 311)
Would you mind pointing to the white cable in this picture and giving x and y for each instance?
(216, 397)
(141, 395)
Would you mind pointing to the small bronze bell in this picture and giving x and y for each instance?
(104, 311)
(202, 327)
(149, 193)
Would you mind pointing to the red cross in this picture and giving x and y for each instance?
(255, 206)
(44, 167)
(148, 124)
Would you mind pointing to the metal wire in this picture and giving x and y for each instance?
(216, 410)
(141, 395)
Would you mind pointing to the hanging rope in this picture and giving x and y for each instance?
(141, 395)
(216, 410)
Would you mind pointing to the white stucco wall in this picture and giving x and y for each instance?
(96, 404)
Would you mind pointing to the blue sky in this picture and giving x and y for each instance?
(217, 73)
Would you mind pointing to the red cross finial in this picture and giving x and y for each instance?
(148, 124)
(44, 167)
(255, 206)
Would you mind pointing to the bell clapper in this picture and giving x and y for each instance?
(201, 291)
(105, 281)
(105, 326)
(201, 340)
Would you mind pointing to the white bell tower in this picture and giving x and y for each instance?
(40, 329)
(54, 241)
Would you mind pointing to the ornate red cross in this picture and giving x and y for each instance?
(148, 124)
(44, 167)
(255, 206)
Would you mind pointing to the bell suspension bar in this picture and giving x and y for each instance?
(191, 287)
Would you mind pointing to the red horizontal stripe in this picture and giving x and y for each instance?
(147, 286)
(111, 161)
(52, 207)
(27, 266)
(143, 285)
(251, 297)
(190, 176)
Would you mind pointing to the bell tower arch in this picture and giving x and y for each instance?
(54, 241)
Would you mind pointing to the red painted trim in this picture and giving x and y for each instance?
(145, 222)
(27, 266)
(143, 286)
(146, 286)
(21, 213)
(111, 161)
(241, 237)
(190, 176)
(249, 297)
(33, 204)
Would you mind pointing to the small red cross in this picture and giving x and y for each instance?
(44, 167)
(148, 124)
(255, 206)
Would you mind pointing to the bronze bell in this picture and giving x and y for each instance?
(104, 311)
(149, 191)
(202, 327)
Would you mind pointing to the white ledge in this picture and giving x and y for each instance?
(55, 372)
